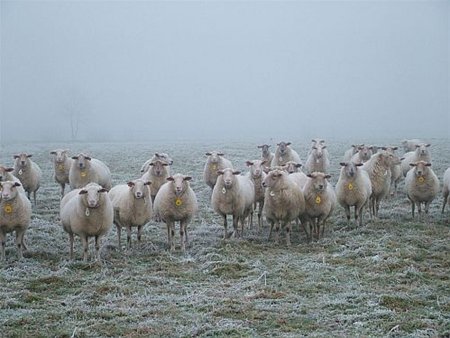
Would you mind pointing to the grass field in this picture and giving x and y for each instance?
(390, 277)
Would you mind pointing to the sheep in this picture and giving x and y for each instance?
(86, 169)
(446, 189)
(234, 195)
(6, 175)
(266, 155)
(157, 173)
(28, 172)
(87, 212)
(350, 152)
(295, 173)
(257, 175)
(283, 154)
(378, 168)
(15, 215)
(410, 145)
(363, 154)
(421, 185)
(318, 158)
(353, 188)
(396, 170)
(421, 153)
(156, 156)
(291, 167)
(61, 167)
(283, 202)
(176, 202)
(132, 206)
(320, 201)
(214, 163)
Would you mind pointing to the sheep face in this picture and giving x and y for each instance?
(139, 188)
(421, 149)
(93, 195)
(180, 183)
(3, 172)
(319, 181)
(164, 157)
(214, 156)
(256, 167)
(365, 152)
(82, 161)
(157, 167)
(22, 159)
(317, 141)
(227, 177)
(420, 168)
(291, 167)
(350, 168)
(264, 150)
(9, 190)
(60, 155)
(318, 150)
(283, 147)
(272, 178)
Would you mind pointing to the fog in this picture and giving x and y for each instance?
(182, 70)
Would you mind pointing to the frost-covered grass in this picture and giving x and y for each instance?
(388, 278)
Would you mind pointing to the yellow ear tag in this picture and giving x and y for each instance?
(350, 186)
(178, 202)
(7, 208)
(61, 167)
(214, 167)
(318, 200)
(83, 174)
(421, 179)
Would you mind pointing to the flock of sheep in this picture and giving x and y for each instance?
(276, 187)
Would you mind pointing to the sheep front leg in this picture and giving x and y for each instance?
(71, 246)
(347, 214)
(97, 247)
(128, 237)
(139, 234)
(236, 226)
(3, 243)
(19, 240)
(84, 242)
(170, 234)
(119, 231)
(183, 238)
(288, 227)
(260, 220)
(225, 226)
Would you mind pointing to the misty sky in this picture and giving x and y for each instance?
(144, 70)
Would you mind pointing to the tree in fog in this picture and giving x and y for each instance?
(76, 107)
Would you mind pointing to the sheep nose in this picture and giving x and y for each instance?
(264, 184)
(138, 194)
(321, 186)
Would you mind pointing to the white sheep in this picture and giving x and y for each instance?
(215, 162)
(320, 201)
(410, 145)
(86, 169)
(421, 153)
(318, 158)
(28, 172)
(283, 202)
(266, 155)
(6, 175)
(132, 206)
(283, 154)
(396, 170)
(446, 189)
(256, 174)
(350, 152)
(353, 188)
(234, 195)
(15, 215)
(86, 212)
(421, 185)
(378, 168)
(176, 202)
(61, 166)
(157, 156)
(295, 173)
(363, 154)
(157, 173)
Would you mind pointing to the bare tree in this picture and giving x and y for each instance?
(76, 108)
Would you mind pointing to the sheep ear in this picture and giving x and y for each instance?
(88, 158)
(427, 145)
(130, 184)
(53, 152)
(417, 145)
(9, 170)
(220, 154)
(236, 172)
(298, 165)
(82, 192)
(29, 155)
(288, 143)
(219, 172)
(74, 157)
(327, 176)
(17, 184)
(187, 178)
(264, 162)
(102, 190)
(259, 147)
(147, 183)
(402, 158)
(324, 146)
(165, 164)
(412, 164)
(310, 176)
(170, 178)
(385, 148)
(16, 156)
(359, 164)
(428, 164)
(208, 154)
(394, 148)
(249, 163)
(343, 164)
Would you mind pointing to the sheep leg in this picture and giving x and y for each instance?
(419, 207)
(71, 246)
(235, 226)
(97, 247)
(225, 226)
(84, 242)
(119, 231)
(171, 234)
(182, 235)
(34, 197)
(260, 220)
(347, 213)
(270, 231)
(288, 227)
(63, 186)
(3, 243)
(128, 237)
(413, 207)
(19, 240)
(139, 234)
(445, 202)
(277, 230)
(359, 210)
